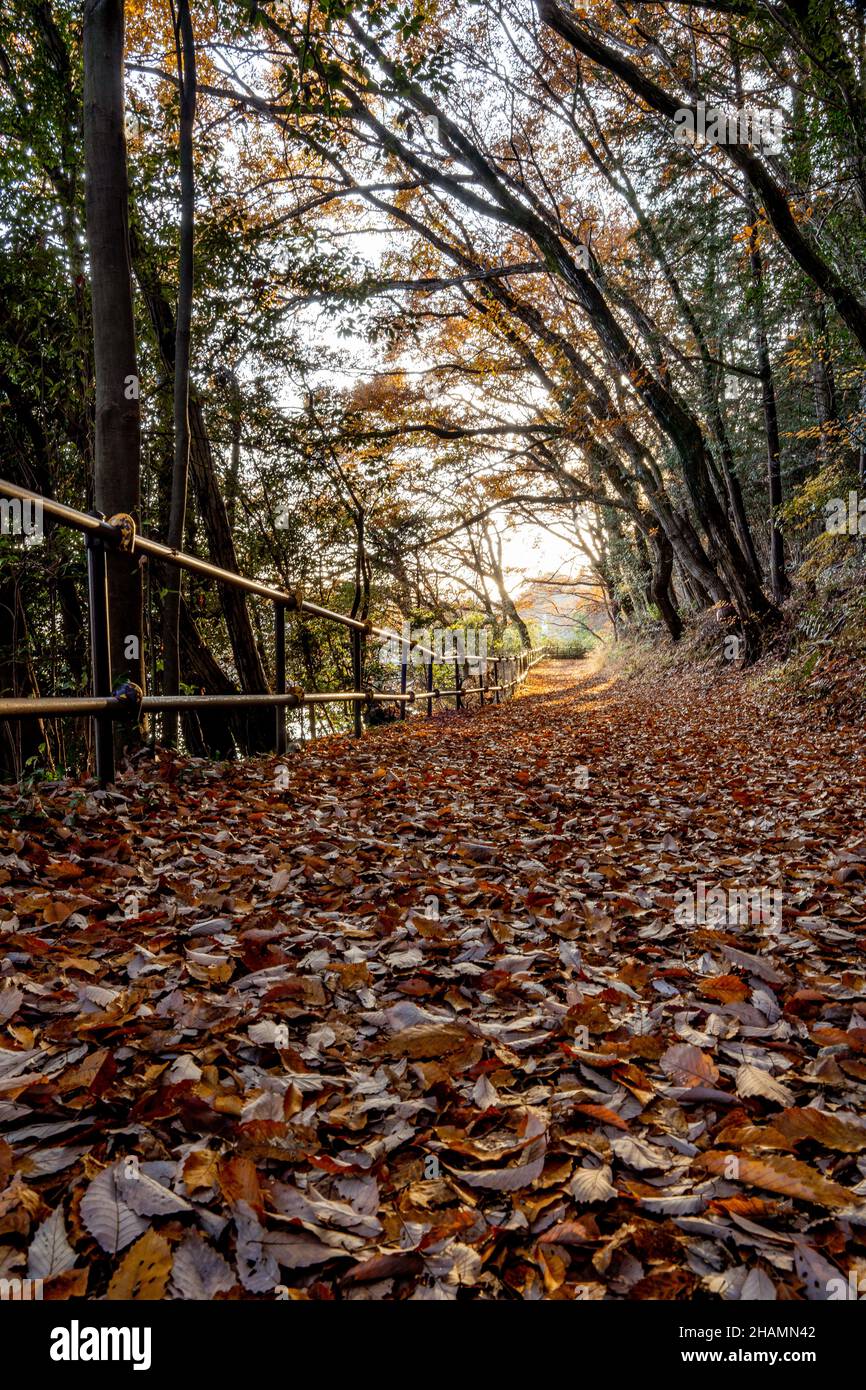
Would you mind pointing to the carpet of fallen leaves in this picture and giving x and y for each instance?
(421, 1023)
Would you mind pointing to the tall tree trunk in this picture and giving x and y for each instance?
(729, 487)
(118, 425)
(823, 382)
(660, 586)
(186, 72)
(778, 577)
(236, 417)
(248, 662)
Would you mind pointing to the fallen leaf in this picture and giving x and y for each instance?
(144, 1270)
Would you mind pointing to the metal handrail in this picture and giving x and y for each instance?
(104, 706)
(31, 706)
(96, 526)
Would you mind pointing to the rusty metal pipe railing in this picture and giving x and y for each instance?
(93, 525)
(26, 707)
(119, 708)
(104, 706)
(16, 707)
(69, 516)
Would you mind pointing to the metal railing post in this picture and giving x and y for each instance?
(496, 682)
(357, 677)
(100, 654)
(404, 672)
(429, 687)
(280, 674)
(458, 692)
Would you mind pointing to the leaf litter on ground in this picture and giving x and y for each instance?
(424, 1023)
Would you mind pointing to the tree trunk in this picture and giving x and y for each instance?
(662, 570)
(778, 578)
(823, 382)
(118, 432)
(509, 608)
(248, 663)
(208, 732)
(186, 71)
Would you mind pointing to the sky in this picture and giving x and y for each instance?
(529, 552)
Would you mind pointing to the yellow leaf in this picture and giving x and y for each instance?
(144, 1271)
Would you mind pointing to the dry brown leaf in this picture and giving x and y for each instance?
(832, 1131)
(686, 1065)
(779, 1174)
(756, 1081)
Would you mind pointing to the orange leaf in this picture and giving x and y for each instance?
(144, 1270)
(779, 1174)
(601, 1112)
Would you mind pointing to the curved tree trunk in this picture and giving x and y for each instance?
(660, 586)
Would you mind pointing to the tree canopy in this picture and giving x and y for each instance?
(410, 280)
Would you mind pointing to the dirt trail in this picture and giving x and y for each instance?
(430, 1020)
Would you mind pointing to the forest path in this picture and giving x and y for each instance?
(424, 1021)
